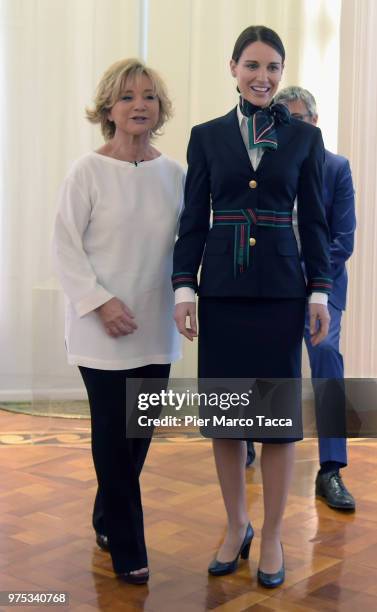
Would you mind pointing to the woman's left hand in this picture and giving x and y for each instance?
(117, 318)
(182, 311)
(319, 323)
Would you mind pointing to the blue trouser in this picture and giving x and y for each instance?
(327, 362)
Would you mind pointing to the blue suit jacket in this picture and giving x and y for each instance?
(340, 213)
(220, 176)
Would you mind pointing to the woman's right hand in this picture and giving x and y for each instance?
(117, 318)
(182, 311)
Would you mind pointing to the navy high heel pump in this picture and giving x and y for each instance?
(270, 581)
(218, 568)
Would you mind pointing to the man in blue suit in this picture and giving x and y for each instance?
(326, 360)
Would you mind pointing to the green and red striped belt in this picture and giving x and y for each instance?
(242, 220)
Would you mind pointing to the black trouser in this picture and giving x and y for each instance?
(118, 461)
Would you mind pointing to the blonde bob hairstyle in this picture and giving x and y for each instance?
(111, 87)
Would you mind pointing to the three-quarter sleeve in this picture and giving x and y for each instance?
(311, 217)
(71, 262)
(194, 224)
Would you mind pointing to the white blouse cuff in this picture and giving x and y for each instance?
(93, 300)
(318, 298)
(184, 294)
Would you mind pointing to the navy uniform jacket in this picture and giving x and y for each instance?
(251, 250)
(339, 203)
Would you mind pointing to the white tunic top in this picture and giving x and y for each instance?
(114, 236)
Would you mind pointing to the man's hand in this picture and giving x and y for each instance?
(117, 318)
(182, 311)
(319, 323)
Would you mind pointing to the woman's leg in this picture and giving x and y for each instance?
(98, 520)
(118, 480)
(139, 450)
(277, 467)
(118, 463)
(230, 458)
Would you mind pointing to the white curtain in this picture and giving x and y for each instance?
(52, 55)
(357, 140)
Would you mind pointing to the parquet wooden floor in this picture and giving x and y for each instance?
(46, 540)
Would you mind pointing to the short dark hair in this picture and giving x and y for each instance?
(254, 34)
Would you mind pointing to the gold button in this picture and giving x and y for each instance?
(253, 184)
(252, 242)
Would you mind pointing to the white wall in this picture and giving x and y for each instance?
(357, 140)
(54, 53)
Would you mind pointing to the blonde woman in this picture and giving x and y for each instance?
(113, 242)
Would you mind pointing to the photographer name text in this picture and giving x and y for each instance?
(214, 421)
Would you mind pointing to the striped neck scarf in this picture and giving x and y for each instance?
(261, 123)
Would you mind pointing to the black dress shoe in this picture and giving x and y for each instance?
(250, 458)
(330, 486)
(270, 581)
(218, 568)
(131, 578)
(102, 541)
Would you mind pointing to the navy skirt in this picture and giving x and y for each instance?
(253, 338)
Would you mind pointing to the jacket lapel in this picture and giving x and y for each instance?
(233, 140)
(285, 133)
